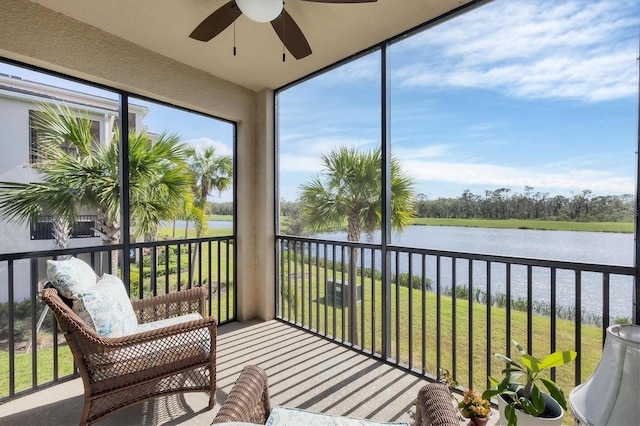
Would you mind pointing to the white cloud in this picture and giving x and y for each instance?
(424, 152)
(532, 49)
(515, 177)
(204, 142)
(306, 156)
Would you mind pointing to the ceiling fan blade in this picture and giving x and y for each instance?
(343, 1)
(291, 35)
(215, 23)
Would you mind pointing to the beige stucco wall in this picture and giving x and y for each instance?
(38, 36)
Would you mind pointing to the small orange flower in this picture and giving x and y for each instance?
(473, 405)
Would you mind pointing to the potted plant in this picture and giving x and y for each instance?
(518, 393)
(474, 407)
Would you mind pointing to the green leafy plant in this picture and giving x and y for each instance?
(520, 383)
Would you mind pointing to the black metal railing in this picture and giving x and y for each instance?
(433, 312)
(34, 355)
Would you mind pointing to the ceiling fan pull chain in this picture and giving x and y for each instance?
(234, 38)
(283, 34)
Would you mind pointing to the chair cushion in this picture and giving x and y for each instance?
(281, 416)
(70, 276)
(107, 308)
(167, 322)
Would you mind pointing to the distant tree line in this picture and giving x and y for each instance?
(225, 208)
(503, 203)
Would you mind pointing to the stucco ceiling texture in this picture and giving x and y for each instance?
(334, 31)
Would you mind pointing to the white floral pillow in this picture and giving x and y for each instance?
(107, 308)
(70, 276)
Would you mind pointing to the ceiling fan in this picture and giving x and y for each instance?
(261, 11)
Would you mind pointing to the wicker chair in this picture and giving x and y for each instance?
(120, 372)
(248, 402)
(435, 407)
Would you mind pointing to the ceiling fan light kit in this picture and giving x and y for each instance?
(271, 11)
(261, 10)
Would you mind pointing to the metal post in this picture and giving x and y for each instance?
(123, 175)
(386, 201)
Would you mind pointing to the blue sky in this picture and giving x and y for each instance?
(541, 93)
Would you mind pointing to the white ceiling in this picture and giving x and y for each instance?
(334, 31)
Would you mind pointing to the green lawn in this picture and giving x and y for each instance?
(23, 363)
(307, 305)
(552, 225)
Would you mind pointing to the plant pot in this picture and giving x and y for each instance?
(478, 421)
(525, 419)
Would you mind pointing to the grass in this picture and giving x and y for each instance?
(626, 227)
(23, 363)
(221, 217)
(219, 266)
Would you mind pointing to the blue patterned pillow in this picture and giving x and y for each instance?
(70, 276)
(107, 308)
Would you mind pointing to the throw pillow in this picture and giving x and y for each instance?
(107, 308)
(70, 276)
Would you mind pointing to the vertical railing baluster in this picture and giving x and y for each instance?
(179, 267)
(227, 280)
(12, 331)
(33, 294)
(605, 305)
(343, 293)
(454, 296)
(333, 290)
(141, 275)
(166, 269)
(210, 279)
(189, 262)
(317, 316)
(154, 271)
(326, 296)
(530, 308)
(488, 305)
(219, 275)
(508, 313)
(410, 289)
(578, 324)
(398, 319)
(470, 332)
(296, 244)
(424, 313)
(373, 302)
(280, 292)
(552, 314)
(438, 317)
(362, 304)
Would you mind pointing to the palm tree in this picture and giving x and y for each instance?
(350, 188)
(210, 172)
(87, 176)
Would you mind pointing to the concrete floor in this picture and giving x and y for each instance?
(304, 371)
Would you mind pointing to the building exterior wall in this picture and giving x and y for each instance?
(38, 36)
(17, 98)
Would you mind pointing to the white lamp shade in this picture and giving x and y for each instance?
(260, 10)
(610, 395)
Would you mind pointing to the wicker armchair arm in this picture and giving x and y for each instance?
(248, 400)
(435, 407)
(178, 303)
